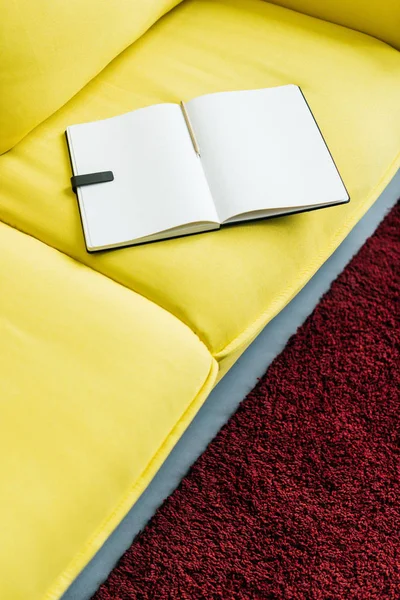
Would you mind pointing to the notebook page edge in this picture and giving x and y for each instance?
(81, 206)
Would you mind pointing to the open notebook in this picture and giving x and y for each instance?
(221, 158)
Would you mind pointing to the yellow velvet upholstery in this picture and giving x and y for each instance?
(106, 358)
(380, 19)
(224, 284)
(96, 386)
(51, 48)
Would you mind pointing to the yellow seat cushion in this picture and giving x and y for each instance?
(225, 285)
(96, 386)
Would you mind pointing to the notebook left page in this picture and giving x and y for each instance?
(159, 188)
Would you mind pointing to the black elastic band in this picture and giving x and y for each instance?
(91, 178)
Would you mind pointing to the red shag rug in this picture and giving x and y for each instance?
(298, 495)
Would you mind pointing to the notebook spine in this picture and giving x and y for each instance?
(190, 129)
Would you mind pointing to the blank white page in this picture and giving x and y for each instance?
(261, 149)
(159, 183)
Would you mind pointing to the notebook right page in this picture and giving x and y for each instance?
(262, 151)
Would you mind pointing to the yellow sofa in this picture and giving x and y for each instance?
(106, 358)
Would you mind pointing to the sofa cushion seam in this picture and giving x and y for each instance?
(115, 281)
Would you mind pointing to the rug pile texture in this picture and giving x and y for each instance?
(298, 496)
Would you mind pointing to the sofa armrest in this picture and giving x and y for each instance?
(380, 19)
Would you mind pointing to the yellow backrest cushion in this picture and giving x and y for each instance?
(51, 48)
(379, 18)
